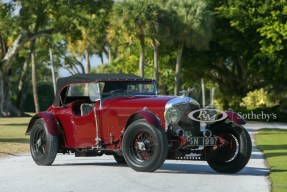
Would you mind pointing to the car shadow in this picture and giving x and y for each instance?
(102, 164)
(205, 169)
(177, 168)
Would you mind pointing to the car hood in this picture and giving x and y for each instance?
(137, 101)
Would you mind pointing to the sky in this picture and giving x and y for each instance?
(94, 59)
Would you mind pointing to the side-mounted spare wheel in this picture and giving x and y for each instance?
(235, 153)
(144, 146)
(43, 146)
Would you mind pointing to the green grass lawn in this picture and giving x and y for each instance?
(273, 143)
(12, 136)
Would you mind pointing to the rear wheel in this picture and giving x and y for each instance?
(43, 146)
(235, 151)
(144, 146)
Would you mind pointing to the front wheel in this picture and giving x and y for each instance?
(43, 146)
(234, 151)
(144, 146)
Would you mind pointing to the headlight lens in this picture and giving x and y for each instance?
(172, 115)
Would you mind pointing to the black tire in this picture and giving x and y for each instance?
(120, 159)
(43, 146)
(234, 156)
(144, 146)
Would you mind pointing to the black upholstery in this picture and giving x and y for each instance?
(86, 108)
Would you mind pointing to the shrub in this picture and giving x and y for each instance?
(259, 98)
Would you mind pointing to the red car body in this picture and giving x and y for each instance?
(121, 115)
(112, 119)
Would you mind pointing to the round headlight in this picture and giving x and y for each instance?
(172, 115)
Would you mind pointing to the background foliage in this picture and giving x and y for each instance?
(238, 47)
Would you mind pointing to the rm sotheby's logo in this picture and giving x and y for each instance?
(207, 115)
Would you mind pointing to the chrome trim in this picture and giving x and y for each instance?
(180, 100)
(207, 133)
(154, 87)
(100, 93)
(97, 139)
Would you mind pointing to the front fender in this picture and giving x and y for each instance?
(51, 122)
(150, 117)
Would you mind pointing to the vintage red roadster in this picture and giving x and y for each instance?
(122, 115)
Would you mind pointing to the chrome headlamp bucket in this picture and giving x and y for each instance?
(172, 115)
(176, 115)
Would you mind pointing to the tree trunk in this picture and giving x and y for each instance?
(22, 82)
(110, 56)
(23, 76)
(142, 55)
(53, 70)
(203, 92)
(102, 58)
(34, 83)
(155, 63)
(88, 64)
(6, 106)
(178, 69)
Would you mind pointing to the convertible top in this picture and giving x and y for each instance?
(89, 78)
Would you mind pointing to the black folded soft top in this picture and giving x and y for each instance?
(89, 78)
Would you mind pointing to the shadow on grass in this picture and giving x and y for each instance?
(15, 140)
(272, 130)
(14, 124)
(9, 154)
(273, 150)
(272, 147)
(279, 170)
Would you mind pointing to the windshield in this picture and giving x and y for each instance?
(89, 92)
(114, 88)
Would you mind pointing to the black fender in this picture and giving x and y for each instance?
(235, 118)
(231, 117)
(51, 122)
(150, 117)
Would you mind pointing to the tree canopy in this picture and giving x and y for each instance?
(238, 47)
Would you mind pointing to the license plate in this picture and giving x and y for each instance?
(205, 141)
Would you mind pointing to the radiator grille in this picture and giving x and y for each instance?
(185, 122)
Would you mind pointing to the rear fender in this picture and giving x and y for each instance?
(150, 117)
(51, 122)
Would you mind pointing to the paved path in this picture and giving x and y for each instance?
(69, 174)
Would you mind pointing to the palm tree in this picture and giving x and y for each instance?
(132, 20)
(191, 26)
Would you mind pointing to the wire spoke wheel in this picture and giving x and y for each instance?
(39, 143)
(230, 150)
(144, 146)
(234, 151)
(43, 145)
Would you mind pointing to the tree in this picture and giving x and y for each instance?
(93, 39)
(191, 27)
(247, 47)
(132, 19)
(38, 19)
